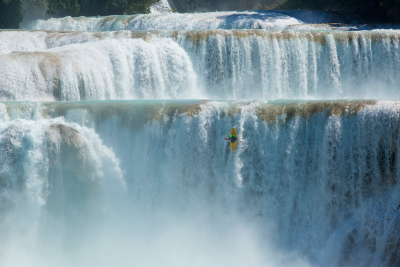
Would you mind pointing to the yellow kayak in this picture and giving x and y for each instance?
(233, 145)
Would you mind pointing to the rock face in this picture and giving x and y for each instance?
(67, 150)
(72, 187)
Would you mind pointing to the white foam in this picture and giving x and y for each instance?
(161, 7)
(220, 64)
(169, 21)
(311, 185)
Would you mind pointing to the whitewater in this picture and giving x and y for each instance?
(210, 64)
(113, 154)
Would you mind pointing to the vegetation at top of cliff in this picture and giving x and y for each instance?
(12, 11)
(392, 8)
(94, 7)
(70, 7)
(11, 14)
(220, 5)
(368, 10)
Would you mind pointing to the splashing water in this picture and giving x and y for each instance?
(200, 64)
(182, 189)
(125, 178)
(161, 7)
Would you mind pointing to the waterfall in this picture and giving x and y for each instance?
(211, 64)
(161, 7)
(323, 175)
(176, 21)
(113, 150)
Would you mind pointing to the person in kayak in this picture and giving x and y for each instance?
(232, 138)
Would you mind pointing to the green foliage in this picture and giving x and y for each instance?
(11, 11)
(51, 7)
(186, 6)
(94, 7)
(368, 10)
(102, 7)
(139, 6)
(69, 6)
(114, 7)
(10, 14)
(220, 5)
(392, 8)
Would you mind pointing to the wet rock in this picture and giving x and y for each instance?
(67, 150)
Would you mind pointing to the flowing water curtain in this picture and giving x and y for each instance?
(223, 64)
(320, 169)
(127, 69)
(59, 177)
(290, 64)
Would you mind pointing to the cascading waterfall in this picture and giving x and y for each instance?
(109, 158)
(212, 64)
(161, 7)
(322, 174)
(52, 174)
(169, 21)
(127, 69)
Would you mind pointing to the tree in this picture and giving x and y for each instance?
(139, 6)
(392, 9)
(62, 7)
(11, 14)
